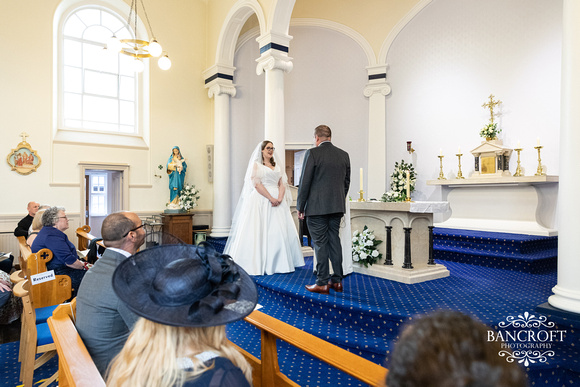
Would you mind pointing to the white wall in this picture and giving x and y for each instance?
(449, 59)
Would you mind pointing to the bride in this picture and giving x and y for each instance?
(263, 238)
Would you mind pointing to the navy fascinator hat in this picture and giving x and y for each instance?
(185, 285)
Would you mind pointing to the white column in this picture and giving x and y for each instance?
(567, 291)
(274, 61)
(222, 209)
(376, 90)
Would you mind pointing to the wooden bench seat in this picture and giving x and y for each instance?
(266, 371)
(75, 365)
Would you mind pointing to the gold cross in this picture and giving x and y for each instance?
(24, 135)
(490, 105)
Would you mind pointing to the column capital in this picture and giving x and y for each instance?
(374, 88)
(221, 88)
(219, 80)
(377, 76)
(274, 61)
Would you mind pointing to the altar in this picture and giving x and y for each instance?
(518, 205)
(406, 229)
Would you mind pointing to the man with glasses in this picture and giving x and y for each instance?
(103, 321)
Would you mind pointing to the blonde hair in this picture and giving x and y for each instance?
(37, 221)
(150, 355)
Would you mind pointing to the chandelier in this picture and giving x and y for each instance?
(137, 48)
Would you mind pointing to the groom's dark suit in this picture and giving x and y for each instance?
(321, 197)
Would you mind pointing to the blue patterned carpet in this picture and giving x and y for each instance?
(366, 319)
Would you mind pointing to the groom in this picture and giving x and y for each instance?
(321, 198)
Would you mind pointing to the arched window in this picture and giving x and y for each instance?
(100, 96)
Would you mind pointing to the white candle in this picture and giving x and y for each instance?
(440, 152)
(408, 184)
(361, 179)
(519, 144)
(538, 141)
(459, 150)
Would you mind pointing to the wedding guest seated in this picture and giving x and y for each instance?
(185, 295)
(6, 262)
(103, 321)
(10, 305)
(64, 254)
(35, 226)
(448, 348)
(24, 224)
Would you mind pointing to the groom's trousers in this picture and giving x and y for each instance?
(324, 230)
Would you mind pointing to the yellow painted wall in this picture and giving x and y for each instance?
(179, 109)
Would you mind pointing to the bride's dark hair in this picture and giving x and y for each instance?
(264, 143)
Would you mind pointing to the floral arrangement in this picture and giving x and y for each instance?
(188, 197)
(364, 247)
(398, 192)
(490, 131)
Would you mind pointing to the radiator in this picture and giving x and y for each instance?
(9, 244)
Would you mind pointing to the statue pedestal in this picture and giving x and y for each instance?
(179, 225)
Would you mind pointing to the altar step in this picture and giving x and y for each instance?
(516, 252)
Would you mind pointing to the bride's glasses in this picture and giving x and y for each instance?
(270, 148)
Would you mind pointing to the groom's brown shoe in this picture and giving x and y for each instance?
(322, 289)
(336, 286)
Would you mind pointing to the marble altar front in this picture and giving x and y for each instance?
(406, 230)
(520, 205)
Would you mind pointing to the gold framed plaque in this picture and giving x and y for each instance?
(23, 159)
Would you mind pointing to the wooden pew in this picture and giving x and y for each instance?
(84, 237)
(266, 371)
(76, 368)
(75, 365)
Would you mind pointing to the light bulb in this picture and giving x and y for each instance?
(154, 48)
(138, 65)
(113, 44)
(164, 62)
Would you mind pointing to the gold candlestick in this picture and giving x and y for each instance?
(540, 171)
(459, 174)
(441, 175)
(519, 167)
(361, 198)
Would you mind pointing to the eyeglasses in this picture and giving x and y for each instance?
(63, 217)
(270, 148)
(133, 229)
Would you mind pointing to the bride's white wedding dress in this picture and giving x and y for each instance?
(263, 239)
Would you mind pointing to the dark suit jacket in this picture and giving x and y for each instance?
(325, 181)
(23, 226)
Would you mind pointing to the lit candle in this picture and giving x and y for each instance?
(408, 184)
(538, 141)
(361, 179)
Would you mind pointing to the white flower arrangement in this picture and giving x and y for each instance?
(490, 131)
(188, 197)
(364, 247)
(398, 192)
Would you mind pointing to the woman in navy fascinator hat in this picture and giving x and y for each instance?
(185, 295)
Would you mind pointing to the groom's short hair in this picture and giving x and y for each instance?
(323, 131)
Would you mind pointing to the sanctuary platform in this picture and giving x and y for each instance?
(406, 230)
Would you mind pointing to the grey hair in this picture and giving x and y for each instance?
(50, 216)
